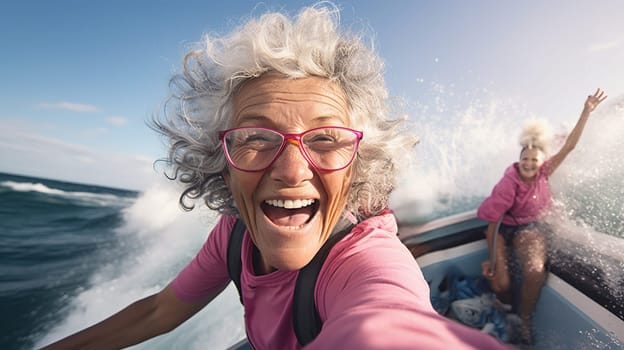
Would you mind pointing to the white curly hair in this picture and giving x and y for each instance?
(309, 44)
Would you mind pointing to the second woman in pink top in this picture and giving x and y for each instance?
(519, 200)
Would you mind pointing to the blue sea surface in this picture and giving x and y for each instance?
(73, 254)
(51, 237)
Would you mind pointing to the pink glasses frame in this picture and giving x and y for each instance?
(285, 139)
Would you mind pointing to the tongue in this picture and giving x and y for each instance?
(288, 217)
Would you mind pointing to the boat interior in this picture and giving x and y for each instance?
(580, 307)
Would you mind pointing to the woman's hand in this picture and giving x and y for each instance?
(594, 100)
(486, 270)
(590, 104)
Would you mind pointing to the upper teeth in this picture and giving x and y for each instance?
(289, 203)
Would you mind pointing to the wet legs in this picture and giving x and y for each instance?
(530, 247)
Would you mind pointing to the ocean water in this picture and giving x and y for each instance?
(71, 254)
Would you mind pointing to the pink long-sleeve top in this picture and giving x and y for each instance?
(521, 202)
(370, 294)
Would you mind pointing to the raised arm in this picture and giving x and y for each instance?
(142, 320)
(590, 104)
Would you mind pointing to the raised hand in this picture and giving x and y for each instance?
(594, 100)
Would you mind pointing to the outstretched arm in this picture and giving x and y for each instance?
(142, 320)
(590, 104)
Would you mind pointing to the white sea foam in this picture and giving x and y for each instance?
(29, 187)
(461, 155)
(89, 198)
(589, 183)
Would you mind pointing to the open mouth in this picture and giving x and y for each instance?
(292, 214)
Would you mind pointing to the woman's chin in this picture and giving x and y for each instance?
(528, 176)
(289, 248)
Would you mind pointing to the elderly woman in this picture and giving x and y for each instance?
(284, 125)
(516, 206)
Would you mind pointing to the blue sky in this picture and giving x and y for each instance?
(79, 79)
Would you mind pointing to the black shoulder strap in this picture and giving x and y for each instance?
(306, 319)
(234, 263)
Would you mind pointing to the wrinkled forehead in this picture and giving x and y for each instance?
(272, 95)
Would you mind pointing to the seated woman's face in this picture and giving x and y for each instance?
(288, 238)
(531, 159)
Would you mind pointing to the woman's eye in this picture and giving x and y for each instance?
(256, 138)
(322, 138)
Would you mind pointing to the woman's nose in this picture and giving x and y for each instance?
(291, 167)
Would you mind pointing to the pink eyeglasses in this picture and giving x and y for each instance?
(327, 148)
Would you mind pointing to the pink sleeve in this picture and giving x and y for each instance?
(207, 272)
(499, 202)
(545, 169)
(401, 328)
(367, 303)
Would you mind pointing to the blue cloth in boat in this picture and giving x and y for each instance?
(469, 300)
